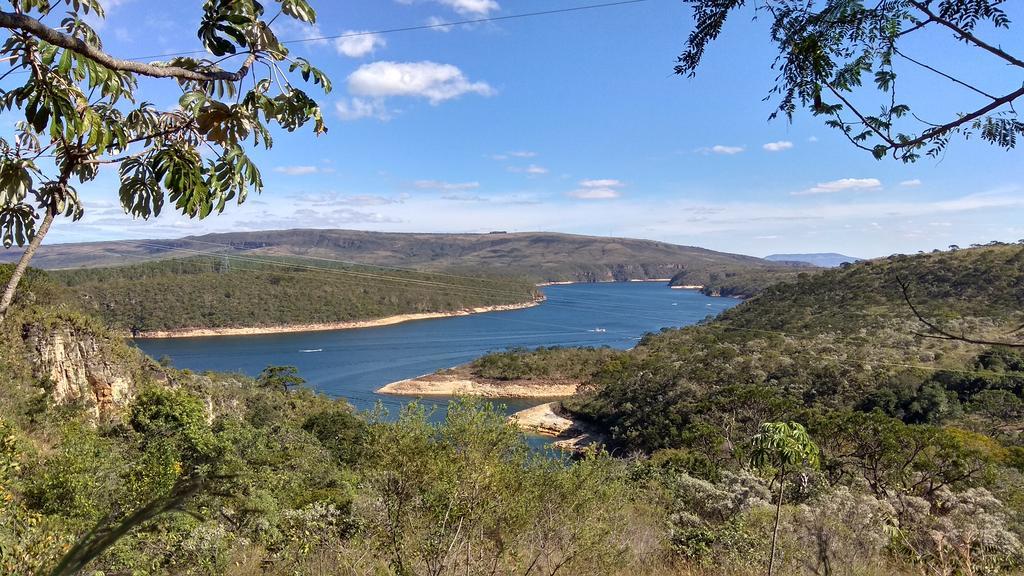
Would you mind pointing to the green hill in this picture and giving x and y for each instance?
(231, 292)
(839, 339)
(921, 465)
(537, 256)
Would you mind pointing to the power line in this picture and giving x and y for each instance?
(425, 26)
(409, 28)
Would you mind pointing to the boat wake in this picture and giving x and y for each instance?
(312, 350)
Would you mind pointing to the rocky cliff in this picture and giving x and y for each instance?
(78, 365)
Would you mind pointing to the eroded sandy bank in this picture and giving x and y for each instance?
(316, 327)
(462, 385)
(550, 420)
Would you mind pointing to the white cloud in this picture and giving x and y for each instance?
(778, 146)
(601, 183)
(297, 170)
(597, 189)
(358, 43)
(442, 185)
(320, 200)
(812, 138)
(463, 197)
(595, 194)
(470, 7)
(532, 169)
(430, 80)
(911, 183)
(722, 149)
(440, 24)
(356, 108)
(514, 154)
(480, 7)
(841, 185)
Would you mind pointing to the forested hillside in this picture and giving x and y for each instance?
(537, 256)
(918, 467)
(902, 419)
(217, 292)
(111, 463)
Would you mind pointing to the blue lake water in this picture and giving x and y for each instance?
(354, 363)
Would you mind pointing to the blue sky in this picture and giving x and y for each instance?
(575, 123)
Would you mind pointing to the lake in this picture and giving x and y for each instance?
(354, 363)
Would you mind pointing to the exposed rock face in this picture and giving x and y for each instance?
(550, 420)
(78, 366)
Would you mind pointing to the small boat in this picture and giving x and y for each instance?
(598, 330)
(312, 350)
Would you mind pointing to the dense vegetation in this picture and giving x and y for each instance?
(916, 433)
(914, 464)
(204, 292)
(537, 256)
(741, 283)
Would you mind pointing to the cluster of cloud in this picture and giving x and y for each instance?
(302, 170)
(514, 154)
(358, 43)
(532, 170)
(841, 185)
(778, 146)
(467, 7)
(327, 199)
(372, 84)
(721, 149)
(430, 80)
(729, 150)
(446, 186)
(599, 189)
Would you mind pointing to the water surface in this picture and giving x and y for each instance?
(354, 363)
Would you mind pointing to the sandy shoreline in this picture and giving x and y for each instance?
(550, 420)
(463, 385)
(324, 326)
(567, 282)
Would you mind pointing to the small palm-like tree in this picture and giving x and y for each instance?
(782, 446)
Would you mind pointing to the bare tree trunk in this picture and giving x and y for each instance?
(778, 513)
(26, 257)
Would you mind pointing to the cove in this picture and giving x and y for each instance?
(353, 363)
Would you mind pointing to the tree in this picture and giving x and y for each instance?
(829, 49)
(81, 112)
(279, 378)
(782, 447)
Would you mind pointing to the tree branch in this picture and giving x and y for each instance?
(13, 21)
(940, 333)
(963, 119)
(964, 34)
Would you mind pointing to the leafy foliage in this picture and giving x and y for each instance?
(81, 111)
(210, 292)
(829, 51)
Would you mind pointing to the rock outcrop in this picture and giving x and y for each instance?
(550, 420)
(79, 366)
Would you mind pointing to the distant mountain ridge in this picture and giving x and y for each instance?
(538, 256)
(821, 259)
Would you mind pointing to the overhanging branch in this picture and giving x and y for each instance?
(964, 34)
(941, 334)
(13, 21)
